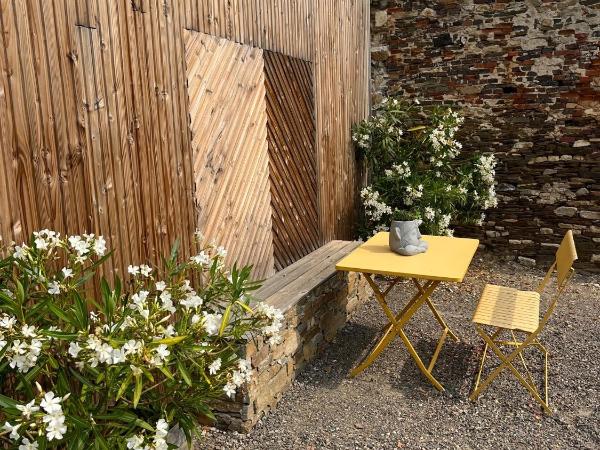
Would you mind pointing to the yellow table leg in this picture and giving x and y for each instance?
(398, 321)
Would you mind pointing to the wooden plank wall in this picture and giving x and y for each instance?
(228, 118)
(94, 124)
(94, 115)
(334, 35)
(292, 157)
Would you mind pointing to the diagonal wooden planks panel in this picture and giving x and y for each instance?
(228, 120)
(292, 157)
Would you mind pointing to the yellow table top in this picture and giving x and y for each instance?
(447, 259)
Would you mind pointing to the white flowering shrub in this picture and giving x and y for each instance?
(118, 371)
(416, 170)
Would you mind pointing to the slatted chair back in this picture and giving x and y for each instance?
(566, 255)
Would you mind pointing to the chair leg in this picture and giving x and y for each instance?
(506, 362)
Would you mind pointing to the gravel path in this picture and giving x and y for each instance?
(391, 406)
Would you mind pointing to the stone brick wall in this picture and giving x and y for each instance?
(527, 77)
(309, 325)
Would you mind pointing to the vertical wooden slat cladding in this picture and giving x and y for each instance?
(341, 63)
(229, 139)
(292, 157)
(284, 26)
(94, 121)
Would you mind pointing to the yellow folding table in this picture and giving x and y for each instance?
(447, 259)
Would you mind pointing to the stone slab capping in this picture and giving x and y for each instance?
(316, 301)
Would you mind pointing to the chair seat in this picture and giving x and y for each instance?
(508, 308)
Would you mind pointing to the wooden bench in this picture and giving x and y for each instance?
(316, 301)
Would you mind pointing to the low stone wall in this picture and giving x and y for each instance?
(310, 324)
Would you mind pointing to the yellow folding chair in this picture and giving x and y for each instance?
(507, 309)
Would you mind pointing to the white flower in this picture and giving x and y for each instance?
(136, 371)
(138, 300)
(221, 252)
(417, 102)
(195, 319)
(161, 353)
(135, 442)
(74, 349)
(198, 235)
(118, 356)
(80, 246)
(28, 331)
(67, 273)
(41, 243)
(244, 365)
(162, 428)
(100, 246)
(55, 429)
(132, 347)
(167, 303)
(192, 301)
(145, 270)
(237, 378)
(26, 444)
(28, 409)
(50, 403)
(104, 354)
(12, 429)
(429, 213)
(21, 252)
(7, 322)
(53, 288)
(201, 259)
(229, 390)
(133, 270)
(212, 322)
(169, 331)
(214, 366)
(161, 285)
(374, 207)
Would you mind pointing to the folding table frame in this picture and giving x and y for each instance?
(447, 259)
(395, 326)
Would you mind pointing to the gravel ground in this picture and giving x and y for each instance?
(391, 405)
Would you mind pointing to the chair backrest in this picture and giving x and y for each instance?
(565, 257)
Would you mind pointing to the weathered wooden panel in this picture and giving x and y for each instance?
(341, 65)
(228, 120)
(284, 26)
(94, 114)
(292, 157)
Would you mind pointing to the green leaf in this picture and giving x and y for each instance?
(165, 370)
(170, 341)
(144, 424)
(138, 390)
(78, 421)
(82, 379)
(124, 385)
(184, 373)
(61, 335)
(7, 402)
(225, 320)
(60, 313)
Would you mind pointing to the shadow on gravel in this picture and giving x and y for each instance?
(455, 369)
(346, 351)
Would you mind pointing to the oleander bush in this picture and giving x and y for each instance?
(416, 170)
(118, 371)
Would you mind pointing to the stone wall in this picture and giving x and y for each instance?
(527, 77)
(309, 325)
